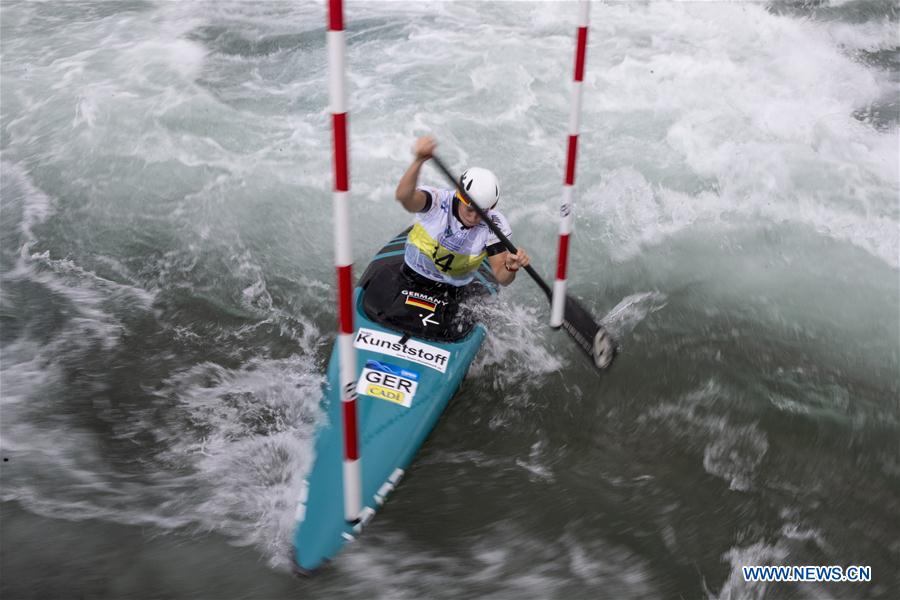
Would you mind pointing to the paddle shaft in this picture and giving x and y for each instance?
(496, 230)
(577, 321)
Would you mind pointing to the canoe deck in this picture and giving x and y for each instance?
(403, 388)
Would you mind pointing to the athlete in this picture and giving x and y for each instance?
(443, 251)
(448, 240)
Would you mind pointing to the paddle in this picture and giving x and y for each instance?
(577, 321)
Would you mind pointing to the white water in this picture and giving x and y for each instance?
(182, 148)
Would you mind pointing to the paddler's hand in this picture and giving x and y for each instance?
(516, 261)
(424, 147)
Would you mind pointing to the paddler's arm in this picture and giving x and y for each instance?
(505, 265)
(414, 200)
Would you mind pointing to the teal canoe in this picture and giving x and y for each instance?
(405, 383)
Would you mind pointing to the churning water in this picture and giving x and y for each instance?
(167, 296)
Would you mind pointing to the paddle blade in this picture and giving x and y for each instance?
(588, 334)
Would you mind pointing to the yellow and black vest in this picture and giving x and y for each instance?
(441, 248)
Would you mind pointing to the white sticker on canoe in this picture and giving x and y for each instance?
(388, 382)
(388, 343)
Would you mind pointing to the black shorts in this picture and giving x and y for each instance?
(407, 302)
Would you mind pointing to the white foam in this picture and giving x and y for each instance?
(503, 560)
(89, 295)
(25, 368)
(255, 450)
(871, 36)
(514, 352)
(246, 440)
(536, 465)
(731, 451)
(632, 310)
(785, 147)
(697, 119)
(637, 214)
(37, 206)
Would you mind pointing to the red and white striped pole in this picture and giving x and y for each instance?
(567, 203)
(343, 259)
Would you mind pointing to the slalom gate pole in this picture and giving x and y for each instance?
(577, 321)
(567, 202)
(343, 258)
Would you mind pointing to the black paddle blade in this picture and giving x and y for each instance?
(590, 336)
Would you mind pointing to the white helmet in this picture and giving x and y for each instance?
(481, 186)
